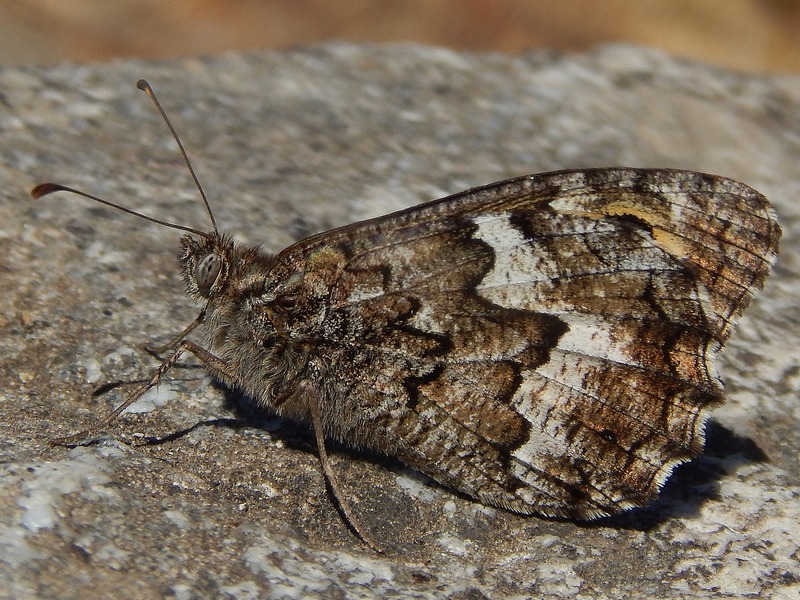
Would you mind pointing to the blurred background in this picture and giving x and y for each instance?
(751, 35)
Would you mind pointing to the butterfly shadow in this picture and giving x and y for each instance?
(248, 415)
(691, 484)
(230, 423)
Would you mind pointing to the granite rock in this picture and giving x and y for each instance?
(196, 494)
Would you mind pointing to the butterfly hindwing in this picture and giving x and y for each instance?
(544, 344)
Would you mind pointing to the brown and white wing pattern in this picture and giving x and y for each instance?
(544, 344)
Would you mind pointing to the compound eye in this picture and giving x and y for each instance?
(206, 271)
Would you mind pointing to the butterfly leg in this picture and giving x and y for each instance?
(347, 511)
(212, 362)
(172, 344)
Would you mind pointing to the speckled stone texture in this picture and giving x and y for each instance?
(198, 495)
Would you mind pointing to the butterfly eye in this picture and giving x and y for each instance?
(206, 271)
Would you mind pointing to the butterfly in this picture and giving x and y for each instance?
(543, 344)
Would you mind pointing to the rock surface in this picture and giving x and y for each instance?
(197, 495)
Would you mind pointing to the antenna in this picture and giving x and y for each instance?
(44, 189)
(48, 188)
(147, 89)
